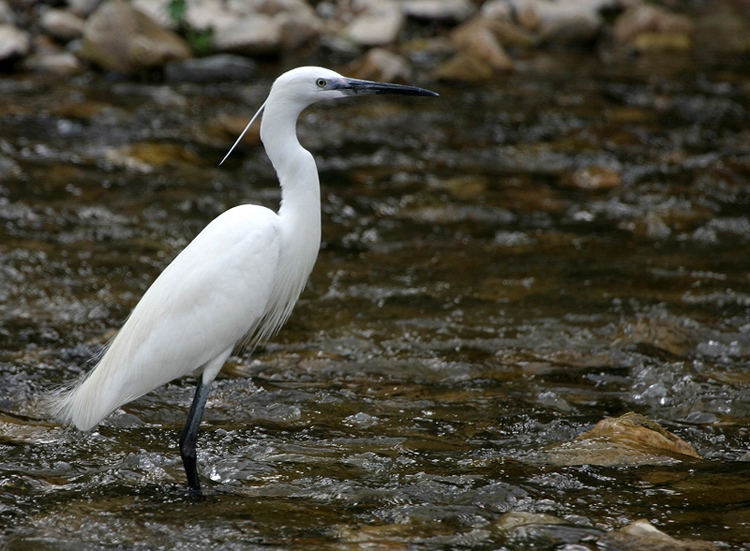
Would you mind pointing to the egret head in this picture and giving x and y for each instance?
(307, 85)
(303, 86)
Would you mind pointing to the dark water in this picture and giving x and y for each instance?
(471, 305)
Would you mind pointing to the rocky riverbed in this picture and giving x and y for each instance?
(529, 323)
(453, 40)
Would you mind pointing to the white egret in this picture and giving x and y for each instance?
(235, 283)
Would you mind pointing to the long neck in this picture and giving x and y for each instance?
(294, 165)
(300, 195)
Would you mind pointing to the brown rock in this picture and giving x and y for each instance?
(479, 42)
(660, 333)
(637, 431)
(627, 440)
(119, 38)
(382, 65)
(464, 68)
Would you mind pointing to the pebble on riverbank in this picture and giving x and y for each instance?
(484, 39)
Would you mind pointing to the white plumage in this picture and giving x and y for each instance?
(235, 283)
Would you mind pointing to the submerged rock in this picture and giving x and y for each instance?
(555, 531)
(119, 38)
(663, 334)
(627, 440)
(146, 157)
(641, 534)
(592, 178)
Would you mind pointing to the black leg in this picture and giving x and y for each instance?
(190, 435)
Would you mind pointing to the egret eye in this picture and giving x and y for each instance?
(321, 82)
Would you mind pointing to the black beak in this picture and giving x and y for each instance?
(355, 86)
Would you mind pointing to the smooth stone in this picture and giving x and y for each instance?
(257, 34)
(381, 65)
(379, 25)
(477, 40)
(62, 25)
(439, 10)
(14, 43)
(58, 63)
(119, 38)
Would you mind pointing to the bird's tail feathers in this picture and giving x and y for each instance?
(59, 403)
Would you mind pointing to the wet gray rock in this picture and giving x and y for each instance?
(211, 69)
(119, 38)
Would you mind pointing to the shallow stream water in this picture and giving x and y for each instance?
(476, 299)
